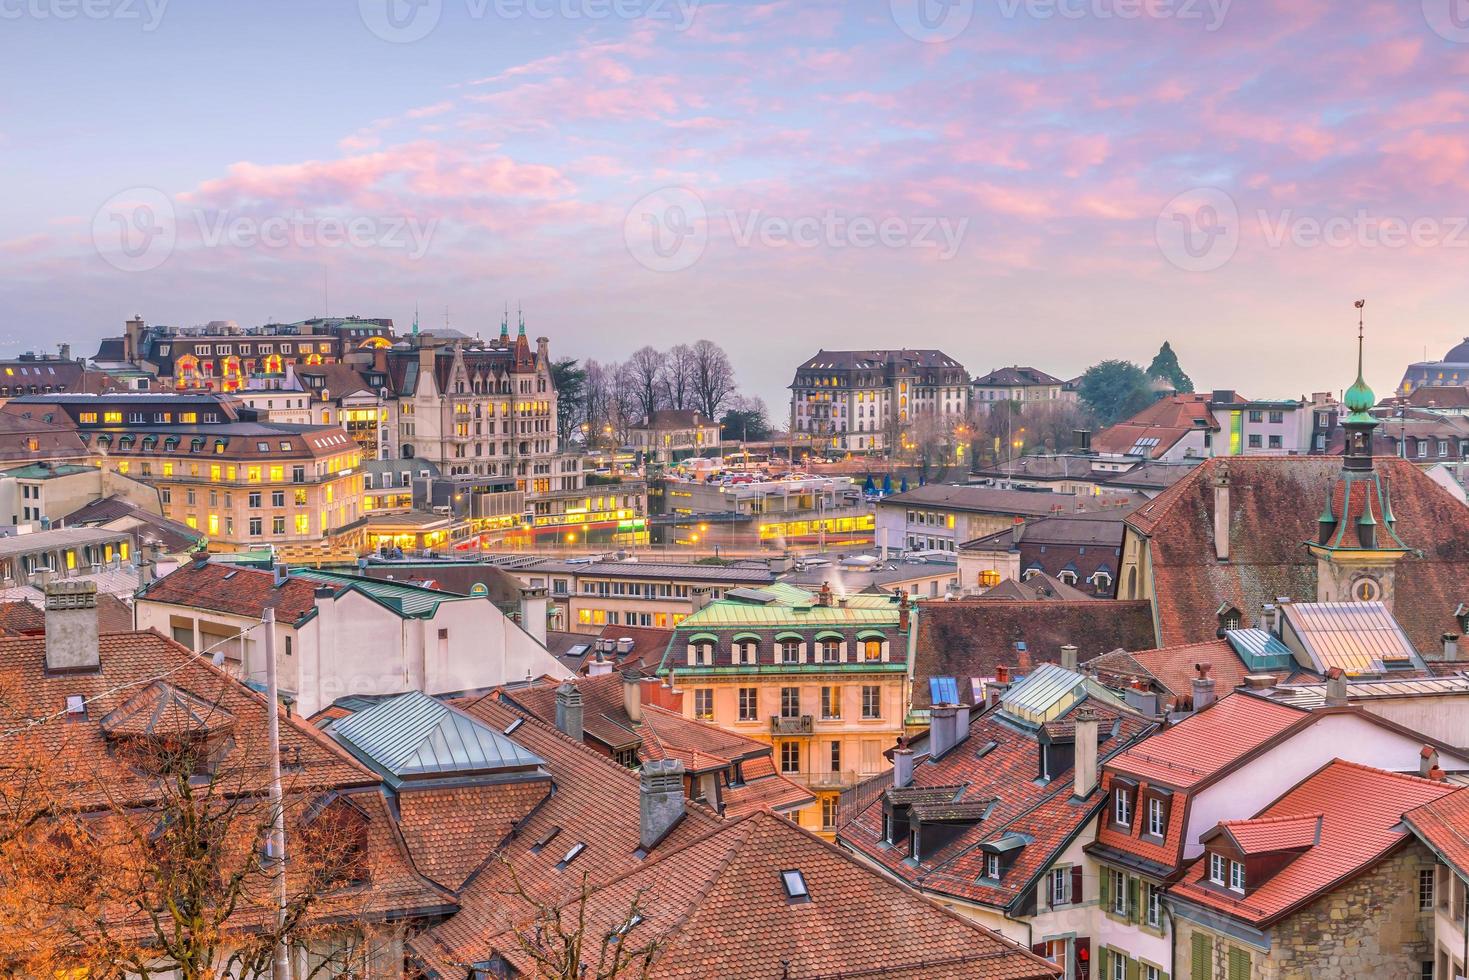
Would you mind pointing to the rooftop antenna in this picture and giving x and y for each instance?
(446, 316)
(415, 319)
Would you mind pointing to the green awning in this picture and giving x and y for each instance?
(871, 635)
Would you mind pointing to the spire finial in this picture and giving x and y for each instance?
(1361, 305)
(415, 319)
(521, 314)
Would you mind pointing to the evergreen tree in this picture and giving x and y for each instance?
(1165, 366)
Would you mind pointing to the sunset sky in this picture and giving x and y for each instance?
(1047, 182)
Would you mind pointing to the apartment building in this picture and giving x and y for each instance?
(870, 400)
(822, 678)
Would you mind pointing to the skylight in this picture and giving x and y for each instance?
(795, 885)
(510, 728)
(545, 839)
(572, 854)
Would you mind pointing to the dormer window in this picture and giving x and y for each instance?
(1122, 806)
(1218, 868)
(1157, 817)
(1237, 877)
(992, 867)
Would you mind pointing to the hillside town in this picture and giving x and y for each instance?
(329, 646)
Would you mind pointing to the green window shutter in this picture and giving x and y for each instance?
(1162, 975)
(1201, 968)
(1132, 969)
(1106, 889)
(1239, 964)
(1103, 955)
(1132, 909)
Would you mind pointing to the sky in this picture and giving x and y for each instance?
(1037, 182)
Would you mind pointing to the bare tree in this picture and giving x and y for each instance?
(647, 380)
(598, 403)
(713, 378)
(678, 375)
(162, 874)
(582, 939)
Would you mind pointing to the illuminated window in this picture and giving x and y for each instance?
(111, 417)
(86, 418)
(277, 474)
(192, 521)
(168, 469)
(214, 471)
(213, 523)
(303, 524)
(872, 650)
(188, 418)
(252, 474)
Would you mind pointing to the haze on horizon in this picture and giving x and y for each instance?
(1044, 182)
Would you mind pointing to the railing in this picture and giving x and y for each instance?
(801, 725)
(835, 780)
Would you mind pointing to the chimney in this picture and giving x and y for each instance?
(569, 710)
(71, 627)
(902, 765)
(1336, 688)
(1203, 687)
(660, 799)
(533, 612)
(1451, 647)
(1267, 617)
(943, 729)
(823, 595)
(903, 613)
(632, 694)
(1427, 761)
(1221, 517)
(1140, 698)
(278, 573)
(599, 665)
(1068, 656)
(1086, 753)
(623, 645)
(882, 545)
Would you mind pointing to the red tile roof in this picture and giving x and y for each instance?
(1361, 811)
(233, 589)
(718, 908)
(1006, 775)
(1167, 420)
(969, 638)
(1444, 825)
(1274, 502)
(1202, 745)
(648, 646)
(1172, 668)
(1270, 835)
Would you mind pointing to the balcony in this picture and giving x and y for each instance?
(830, 781)
(800, 725)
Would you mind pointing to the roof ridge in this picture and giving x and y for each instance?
(1382, 772)
(1285, 818)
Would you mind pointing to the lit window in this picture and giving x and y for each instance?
(704, 703)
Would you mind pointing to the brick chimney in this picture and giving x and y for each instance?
(903, 611)
(71, 627)
(1086, 753)
(823, 595)
(660, 800)
(1427, 760)
(569, 710)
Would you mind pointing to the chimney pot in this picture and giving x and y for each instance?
(1203, 687)
(1427, 761)
(1451, 647)
(599, 665)
(1068, 656)
(1336, 687)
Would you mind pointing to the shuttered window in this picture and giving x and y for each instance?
(1202, 968)
(1239, 964)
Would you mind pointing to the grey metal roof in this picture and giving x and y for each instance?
(412, 736)
(1358, 637)
(1314, 695)
(1046, 693)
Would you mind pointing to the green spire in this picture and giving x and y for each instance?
(521, 313)
(1359, 398)
(415, 319)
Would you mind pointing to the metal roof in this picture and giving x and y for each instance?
(794, 608)
(1314, 695)
(1048, 692)
(63, 537)
(409, 601)
(1358, 637)
(412, 736)
(1260, 649)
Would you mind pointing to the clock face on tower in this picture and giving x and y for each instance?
(1366, 589)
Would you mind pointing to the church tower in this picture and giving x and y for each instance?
(1357, 548)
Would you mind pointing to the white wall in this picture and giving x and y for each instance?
(1248, 790)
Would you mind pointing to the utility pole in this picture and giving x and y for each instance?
(281, 968)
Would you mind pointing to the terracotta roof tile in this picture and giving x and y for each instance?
(451, 831)
(1172, 668)
(1361, 811)
(1444, 824)
(233, 589)
(1201, 745)
(1268, 835)
(969, 638)
(719, 909)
